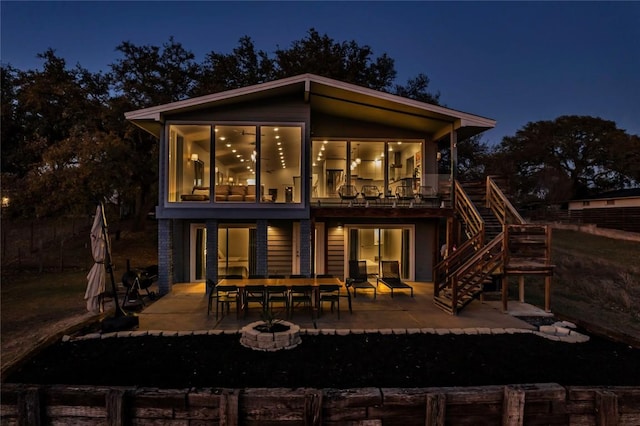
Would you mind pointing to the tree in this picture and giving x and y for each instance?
(146, 76)
(473, 155)
(46, 108)
(569, 157)
(417, 88)
(11, 129)
(244, 67)
(346, 61)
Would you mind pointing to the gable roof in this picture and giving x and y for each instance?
(334, 97)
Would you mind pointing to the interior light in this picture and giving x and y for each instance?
(238, 155)
(399, 142)
(314, 164)
(242, 160)
(324, 142)
(279, 143)
(275, 129)
(322, 148)
(233, 150)
(358, 161)
(277, 136)
(222, 138)
(194, 157)
(228, 145)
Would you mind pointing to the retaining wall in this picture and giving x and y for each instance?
(533, 404)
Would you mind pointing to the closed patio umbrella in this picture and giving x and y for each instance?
(97, 275)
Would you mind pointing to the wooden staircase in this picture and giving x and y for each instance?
(483, 210)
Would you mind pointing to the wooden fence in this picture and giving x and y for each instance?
(534, 404)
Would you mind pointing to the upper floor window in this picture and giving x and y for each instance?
(189, 167)
(380, 167)
(244, 164)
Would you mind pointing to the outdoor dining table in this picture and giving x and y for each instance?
(315, 283)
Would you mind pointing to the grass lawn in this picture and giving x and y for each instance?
(597, 280)
(35, 306)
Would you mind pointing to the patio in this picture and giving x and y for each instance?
(185, 309)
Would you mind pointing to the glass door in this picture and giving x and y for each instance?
(236, 252)
(375, 244)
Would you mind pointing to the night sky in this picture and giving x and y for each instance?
(514, 62)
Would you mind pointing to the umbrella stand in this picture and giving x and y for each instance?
(121, 320)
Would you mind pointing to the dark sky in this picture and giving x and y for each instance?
(514, 62)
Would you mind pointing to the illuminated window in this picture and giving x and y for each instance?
(189, 167)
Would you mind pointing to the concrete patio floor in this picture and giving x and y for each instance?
(185, 309)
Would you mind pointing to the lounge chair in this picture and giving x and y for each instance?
(391, 276)
(358, 278)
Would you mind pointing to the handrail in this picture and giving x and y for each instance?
(501, 206)
(470, 215)
(454, 260)
(481, 265)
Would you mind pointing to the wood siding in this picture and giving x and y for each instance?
(335, 251)
(279, 248)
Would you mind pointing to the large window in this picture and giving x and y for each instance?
(329, 168)
(235, 164)
(380, 165)
(405, 165)
(280, 158)
(189, 163)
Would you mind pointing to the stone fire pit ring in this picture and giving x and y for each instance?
(253, 338)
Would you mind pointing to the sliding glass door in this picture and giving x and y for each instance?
(377, 243)
(235, 252)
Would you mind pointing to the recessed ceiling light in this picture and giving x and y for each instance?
(228, 145)
(233, 150)
(222, 138)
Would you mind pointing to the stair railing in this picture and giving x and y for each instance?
(468, 278)
(467, 211)
(453, 261)
(501, 206)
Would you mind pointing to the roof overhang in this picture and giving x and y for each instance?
(332, 97)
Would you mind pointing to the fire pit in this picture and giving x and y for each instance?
(266, 336)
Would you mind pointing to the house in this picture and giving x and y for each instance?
(300, 175)
(619, 209)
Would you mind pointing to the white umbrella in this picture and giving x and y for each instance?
(97, 275)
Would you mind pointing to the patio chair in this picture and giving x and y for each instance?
(405, 193)
(358, 278)
(349, 193)
(277, 294)
(428, 194)
(224, 295)
(391, 276)
(370, 193)
(300, 295)
(254, 293)
(330, 293)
